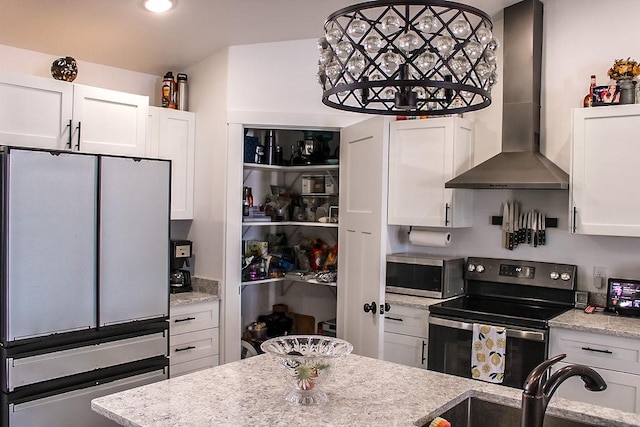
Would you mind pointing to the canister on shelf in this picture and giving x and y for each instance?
(182, 92)
(168, 90)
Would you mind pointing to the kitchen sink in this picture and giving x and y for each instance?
(476, 412)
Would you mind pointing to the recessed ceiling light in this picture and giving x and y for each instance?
(159, 6)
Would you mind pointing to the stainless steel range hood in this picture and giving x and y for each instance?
(520, 164)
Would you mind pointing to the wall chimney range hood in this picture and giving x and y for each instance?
(520, 164)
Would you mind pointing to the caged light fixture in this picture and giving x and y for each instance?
(399, 57)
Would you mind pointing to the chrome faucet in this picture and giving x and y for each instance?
(538, 389)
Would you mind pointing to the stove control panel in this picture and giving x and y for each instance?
(534, 273)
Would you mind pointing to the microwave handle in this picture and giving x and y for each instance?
(514, 333)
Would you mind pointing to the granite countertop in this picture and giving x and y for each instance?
(599, 322)
(411, 301)
(204, 290)
(185, 298)
(363, 391)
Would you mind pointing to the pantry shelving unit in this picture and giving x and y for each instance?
(301, 295)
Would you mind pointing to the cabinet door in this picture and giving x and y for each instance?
(34, 112)
(176, 142)
(622, 393)
(109, 122)
(604, 171)
(51, 243)
(405, 350)
(423, 155)
(134, 239)
(363, 194)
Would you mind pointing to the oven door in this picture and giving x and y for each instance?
(450, 350)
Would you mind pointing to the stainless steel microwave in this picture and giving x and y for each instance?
(425, 275)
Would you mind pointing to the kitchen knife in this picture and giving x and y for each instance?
(516, 224)
(512, 212)
(543, 229)
(534, 232)
(505, 225)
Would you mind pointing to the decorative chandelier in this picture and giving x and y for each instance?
(398, 57)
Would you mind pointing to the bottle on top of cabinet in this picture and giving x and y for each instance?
(168, 91)
(588, 98)
(182, 92)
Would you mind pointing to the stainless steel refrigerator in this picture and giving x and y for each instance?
(84, 293)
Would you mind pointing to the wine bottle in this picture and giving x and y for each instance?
(588, 98)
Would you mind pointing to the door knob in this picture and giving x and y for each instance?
(384, 308)
(370, 307)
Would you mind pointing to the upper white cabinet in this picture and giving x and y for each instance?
(109, 122)
(423, 155)
(171, 135)
(604, 171)
(46, 113)
(35, 112)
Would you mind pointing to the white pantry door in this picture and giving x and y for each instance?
(363, 222)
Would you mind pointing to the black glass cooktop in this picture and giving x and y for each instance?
(472, 308)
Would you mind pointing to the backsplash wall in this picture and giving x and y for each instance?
(619, 255)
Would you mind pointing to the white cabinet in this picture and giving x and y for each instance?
(406, 333)
(171, 135)
(193, 337)
(35, 112)
(423, 155)
(616, 359)
(46, 113)
(109, 122)
(604, 164)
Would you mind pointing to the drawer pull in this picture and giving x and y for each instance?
(191, 347)
(185, 319)
(394, 318)
(597, 350)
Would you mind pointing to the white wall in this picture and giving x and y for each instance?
(89, 73)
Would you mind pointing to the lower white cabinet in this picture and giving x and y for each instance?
(194, 337)
(616, 359)
(406, 334)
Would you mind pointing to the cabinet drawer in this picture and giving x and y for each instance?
(194, 317)
(595, 350)
(193, 345)
(407, 321)
(622, 393)
(193, 365)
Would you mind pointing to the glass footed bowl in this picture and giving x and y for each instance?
(306, 361)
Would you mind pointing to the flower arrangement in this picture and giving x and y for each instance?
(624, 69)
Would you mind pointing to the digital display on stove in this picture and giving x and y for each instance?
(519, 271)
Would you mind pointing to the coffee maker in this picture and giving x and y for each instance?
(179, 278)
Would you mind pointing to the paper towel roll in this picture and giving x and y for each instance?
(438, 239)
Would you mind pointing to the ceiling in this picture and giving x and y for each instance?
(120, 33)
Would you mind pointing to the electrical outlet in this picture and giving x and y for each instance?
(599, 277)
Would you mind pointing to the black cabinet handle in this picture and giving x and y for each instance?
(446, 214)
(184, 320)
(79, 133)
(370, 307)
(70, 126)
(423, 359)
(394, 318)
(575, 212)
(597, 350)
(191, 347)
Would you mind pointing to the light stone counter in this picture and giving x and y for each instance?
(600, 322)
(411, 301)
(362, 392)
(186, 298)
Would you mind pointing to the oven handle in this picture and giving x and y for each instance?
(515, 333)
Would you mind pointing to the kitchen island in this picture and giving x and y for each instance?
(362, 391)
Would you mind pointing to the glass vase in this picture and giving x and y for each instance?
(627, 91)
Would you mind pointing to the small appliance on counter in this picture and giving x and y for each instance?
(180, 278)
(623, 297)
